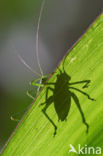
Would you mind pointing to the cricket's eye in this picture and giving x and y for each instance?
(43, 80)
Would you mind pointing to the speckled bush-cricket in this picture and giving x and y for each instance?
(58, 95)
(42, 78)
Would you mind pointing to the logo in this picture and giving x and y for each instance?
(85, 149)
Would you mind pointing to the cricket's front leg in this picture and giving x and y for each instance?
(47, 100)
(34, 83)
(48, 88)
(42, 80)
(30, 95)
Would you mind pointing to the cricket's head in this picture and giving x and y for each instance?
(63, 76)
(66, 76)
(44, 79)
(69, 78)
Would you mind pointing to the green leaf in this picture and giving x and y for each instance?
(77, 111)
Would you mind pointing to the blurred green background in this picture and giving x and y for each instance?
(62, 23)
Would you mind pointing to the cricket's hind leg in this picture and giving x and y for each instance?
(80, 110)
(47, 104)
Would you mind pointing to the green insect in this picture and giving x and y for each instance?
(39, 83)
(42, 78)
(66, 93)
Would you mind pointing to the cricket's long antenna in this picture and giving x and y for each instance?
(37, 38)
(64, 62)
(22, 60)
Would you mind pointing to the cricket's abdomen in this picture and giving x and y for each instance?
(62, 101)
